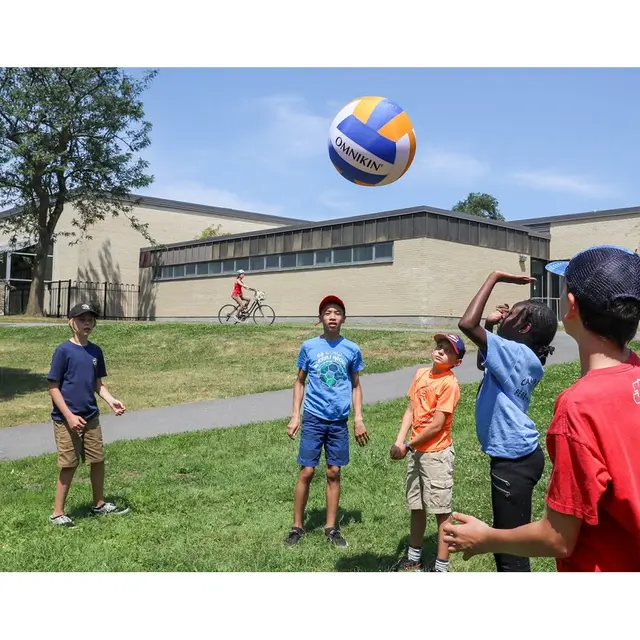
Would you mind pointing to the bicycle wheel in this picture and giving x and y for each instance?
(264, 314)
(224, 315)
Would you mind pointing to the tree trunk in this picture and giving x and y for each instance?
(35, 305)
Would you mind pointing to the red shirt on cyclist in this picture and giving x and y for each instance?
(238, 294)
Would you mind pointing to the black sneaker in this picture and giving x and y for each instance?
(335, 537)
(294, 536)
(406, 564)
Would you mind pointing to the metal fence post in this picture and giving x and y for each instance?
(68, 298)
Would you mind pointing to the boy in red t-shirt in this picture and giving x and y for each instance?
(592, 519)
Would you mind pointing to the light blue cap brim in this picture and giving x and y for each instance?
(560, 266)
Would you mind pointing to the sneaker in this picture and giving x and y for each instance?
(62, 521)
(335, 537)
(409, 565)
(431, 568)
(294, 536)
(108, 507)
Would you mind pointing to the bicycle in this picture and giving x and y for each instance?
(262, 313)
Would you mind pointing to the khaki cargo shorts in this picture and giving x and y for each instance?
(430, 481)
(74, 446)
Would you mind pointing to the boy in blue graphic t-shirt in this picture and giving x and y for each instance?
(332, 366)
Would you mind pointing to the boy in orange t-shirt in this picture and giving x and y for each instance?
(433, 397)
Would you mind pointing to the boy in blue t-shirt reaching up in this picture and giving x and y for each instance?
(332, 365)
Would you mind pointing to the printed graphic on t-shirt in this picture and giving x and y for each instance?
(332, 368)
(636, 391)
(527, 385)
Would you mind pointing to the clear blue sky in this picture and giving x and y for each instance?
(543, 141)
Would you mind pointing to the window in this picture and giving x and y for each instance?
(256, 264)
(323, 256)
(341, 256)
(288, 260)
(243, 263)
(384, 251)
(305, 259)
(363, 254)
(273, 262)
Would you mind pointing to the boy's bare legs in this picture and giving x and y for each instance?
(418, 527)
(97, 483)
(62, 490)
(442, 559)
(333, 495)
(301, 495)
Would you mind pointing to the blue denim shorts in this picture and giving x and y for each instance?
(316, 433)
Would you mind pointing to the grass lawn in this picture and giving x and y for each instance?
(158, 364)
(222, 500)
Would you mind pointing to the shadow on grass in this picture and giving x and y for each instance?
(18, 382)
(380, 562)
(317, 518)
(84, 511)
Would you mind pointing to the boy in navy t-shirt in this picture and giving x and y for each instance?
(332, 365)
(77, 369)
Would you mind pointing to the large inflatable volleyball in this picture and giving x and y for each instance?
(372, 142)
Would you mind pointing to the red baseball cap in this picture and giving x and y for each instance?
(331, 300)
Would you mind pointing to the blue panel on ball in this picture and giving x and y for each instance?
(383, 113)
(351, 173)
(368, 139)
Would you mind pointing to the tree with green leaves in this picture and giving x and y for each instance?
(482, 205)
(69, 137)
(211, 232)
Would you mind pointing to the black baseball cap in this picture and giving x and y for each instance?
(601, 275)
(82, 307)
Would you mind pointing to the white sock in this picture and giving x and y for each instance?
(442, 565)
(414, 554)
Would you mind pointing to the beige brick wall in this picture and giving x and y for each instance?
(113, 252)
(568, 238)
(428, 278)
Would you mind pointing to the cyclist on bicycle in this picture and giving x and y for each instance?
(238, 295)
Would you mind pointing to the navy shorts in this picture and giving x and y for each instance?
(316, 433)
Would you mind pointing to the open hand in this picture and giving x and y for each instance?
(510, 278)
(470, 537)
(361, 433)
(117, 407)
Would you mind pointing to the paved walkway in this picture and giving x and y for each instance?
(36, 439)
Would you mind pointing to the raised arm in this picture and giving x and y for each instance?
(470, 322)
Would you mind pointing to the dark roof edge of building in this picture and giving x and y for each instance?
(351, 220)
(586, 215)
(163, 203)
